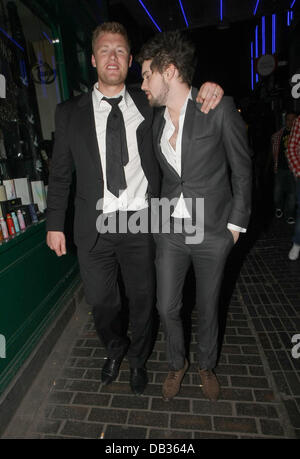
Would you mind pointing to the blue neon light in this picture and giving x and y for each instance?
(292, 4)
(256, 49)
(142, 4)
(263, 35)
(183, 13)
(255, 9)
(11, 39)
(288, 18)
(252, 67)
(24, 77)
(273, 33)
(221, 10)
(256, 41)
(48, 38)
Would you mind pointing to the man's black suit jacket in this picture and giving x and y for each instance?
(76, 147)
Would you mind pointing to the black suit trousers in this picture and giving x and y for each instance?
(173, 259)
(99, 267)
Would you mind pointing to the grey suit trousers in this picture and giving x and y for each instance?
(173, 259)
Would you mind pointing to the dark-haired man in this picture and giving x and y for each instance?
(106, 134)
(194, 152)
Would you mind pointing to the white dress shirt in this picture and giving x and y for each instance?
(174, 158)
(135, 195)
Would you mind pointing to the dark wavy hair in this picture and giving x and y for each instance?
(167, 48)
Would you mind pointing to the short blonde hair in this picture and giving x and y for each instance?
(110, 27)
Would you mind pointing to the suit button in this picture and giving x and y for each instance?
(182, 182)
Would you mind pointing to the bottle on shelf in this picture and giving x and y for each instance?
(16, 223)
(21, 220)
(1, 236)
(4, 228)
(10, 225)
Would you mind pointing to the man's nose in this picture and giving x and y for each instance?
(113, 55)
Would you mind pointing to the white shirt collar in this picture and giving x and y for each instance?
(183, 108)
(123, 92)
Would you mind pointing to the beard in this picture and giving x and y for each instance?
(161, 99)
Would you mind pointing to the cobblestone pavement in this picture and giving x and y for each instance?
(260, 396)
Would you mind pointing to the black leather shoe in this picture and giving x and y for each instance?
(110, 371)
(138, 380)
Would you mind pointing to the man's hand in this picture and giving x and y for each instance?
(56, 241)
(210, 95)
(235, 235)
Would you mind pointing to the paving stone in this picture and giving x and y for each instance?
(105, 415)
(153, 419)
(269, 427)
(294, 412)
(60, 397)
(235, 424)
(69, 412)
(256, 410)
(91, 399)
(48, 426)
(124, 432)
(82, 429)
(177, 404)
(182, 421)
(132, 402)
(212, 408)
(244, 381)
(169, 434)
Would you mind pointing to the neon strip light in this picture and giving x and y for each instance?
(292, 4)
(142, 4)
(49, 39)
(183, 13)
(11, 39)
(288, 18)
(221, 10)
(255, 9)
(263, 35)
(23, 72)
(256, 49)
(252, 67)
(273, 33)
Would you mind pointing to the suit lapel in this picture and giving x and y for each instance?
(192, 116)
(88, 128)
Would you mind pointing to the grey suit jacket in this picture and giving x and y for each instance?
(216, 163)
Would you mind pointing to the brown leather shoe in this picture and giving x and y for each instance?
(172, 383)
(209, 384)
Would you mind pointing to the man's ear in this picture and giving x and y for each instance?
(130, 61)
(93, 60)
(170, 71)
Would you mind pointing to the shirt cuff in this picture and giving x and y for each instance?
(236, 228)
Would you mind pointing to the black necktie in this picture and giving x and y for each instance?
(116, 148)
